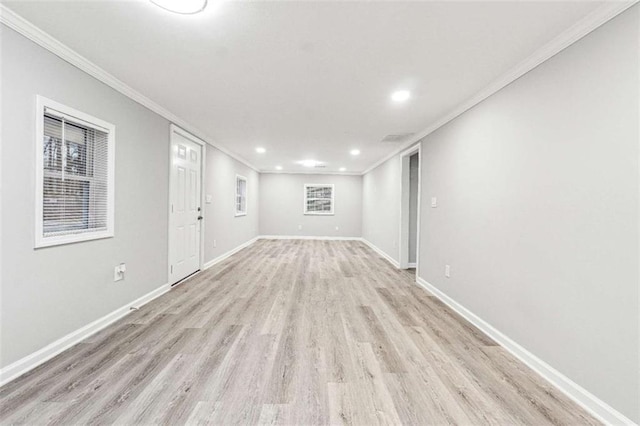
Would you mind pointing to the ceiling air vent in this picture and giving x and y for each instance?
(400, 137)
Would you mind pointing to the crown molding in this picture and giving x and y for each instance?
(43, 39)
(574, 33)
(284, 172)
(593, 20)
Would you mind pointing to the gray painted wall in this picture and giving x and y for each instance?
(381, 207)
(221, 224)
(281, 206)
(537, 211)
(413, 207)
(50, 292)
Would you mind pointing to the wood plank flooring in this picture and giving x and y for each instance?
(289, 332)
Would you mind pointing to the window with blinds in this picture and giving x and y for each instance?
(241, 195)
(318, 199)
(75, 176)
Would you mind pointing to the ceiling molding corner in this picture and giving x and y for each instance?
(64, 52)
(586, 25)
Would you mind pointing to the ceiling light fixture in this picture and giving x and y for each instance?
(355, 152)
(184, 7)
(278, 167)
(401, 95)
(260, 150)
(309, 163)
(342, 169)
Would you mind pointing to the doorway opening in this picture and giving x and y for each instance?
(410, 208)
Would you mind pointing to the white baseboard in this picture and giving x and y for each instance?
(381, 253)
(306, 237)
(33, 360)
(230, 253)
(577, 393)
(411, 265)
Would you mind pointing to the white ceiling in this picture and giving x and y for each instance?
(306, 79)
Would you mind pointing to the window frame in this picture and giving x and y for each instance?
(82, 119)
(246, 196)
(305, 199)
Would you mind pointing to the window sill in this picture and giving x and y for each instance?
(70, 239)
(241, 214)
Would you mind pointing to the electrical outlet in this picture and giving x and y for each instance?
(299, 227)
(337, 228)
(447, 271)
(118, 272)
(215, 244)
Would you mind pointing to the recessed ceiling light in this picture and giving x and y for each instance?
(185, 7)
(309, 163)
(278, 167)
(260, 150)
(342, 169)
(355, 152)
(401, 95)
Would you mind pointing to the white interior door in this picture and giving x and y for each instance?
(185, 213)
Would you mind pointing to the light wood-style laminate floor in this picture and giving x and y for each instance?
(289, 332)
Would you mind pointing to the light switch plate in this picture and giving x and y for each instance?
(208, 198)
(434, 202)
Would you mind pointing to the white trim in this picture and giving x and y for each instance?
(577, 393)
(381, 253)
(593, 20)
(246, 196)
(304, 199)
(230, 253)
(419, 209)
(35, 34)
(173, 129)
(58, 109)
(405, 195)
(33, 360)
(412, 265)
(307, 237)
(302, 172)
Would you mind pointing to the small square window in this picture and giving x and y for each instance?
(318, 199)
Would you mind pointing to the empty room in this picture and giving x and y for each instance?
(323, 212)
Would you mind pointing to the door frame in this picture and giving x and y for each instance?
(404, 207)
(173, 130)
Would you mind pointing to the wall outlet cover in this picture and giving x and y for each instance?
(118, 272)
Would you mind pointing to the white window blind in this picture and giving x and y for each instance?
(75, 172)
(318, 199)
(241, 195)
